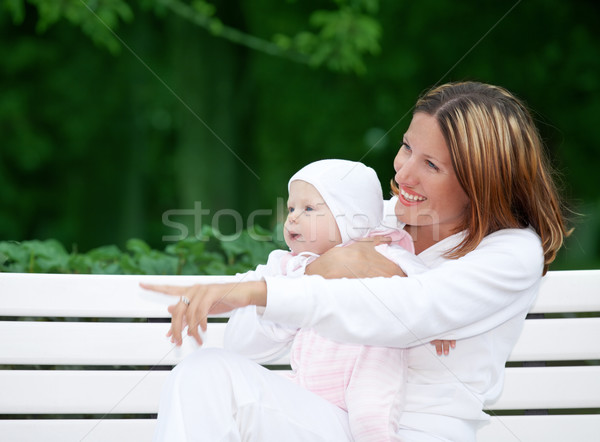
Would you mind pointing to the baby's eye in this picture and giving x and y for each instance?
(309, 208)
(290, 209)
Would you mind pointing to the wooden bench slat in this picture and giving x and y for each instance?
(563, 428)
(77, 430)
(550, 387)
(110, 295)
(72, 391)
(99, 343)
(98, 296)
(557, 340)
(108, 343)
(75, 391)
(569, 291)
(501, 429)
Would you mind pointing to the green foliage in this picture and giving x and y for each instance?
(343, 35)
(97, 146)
(215, 255)
(97, 19)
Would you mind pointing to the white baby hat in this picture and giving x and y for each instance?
(352, 192)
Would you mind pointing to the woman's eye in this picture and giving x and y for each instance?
(433, 166)
(405, 147)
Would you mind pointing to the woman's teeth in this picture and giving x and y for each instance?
(409, 197)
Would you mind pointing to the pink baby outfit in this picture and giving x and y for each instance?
(365, 381)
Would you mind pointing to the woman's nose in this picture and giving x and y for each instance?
(405, 172)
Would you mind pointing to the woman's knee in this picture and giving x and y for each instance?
(207, 366)
(207, 359)
(207, 356)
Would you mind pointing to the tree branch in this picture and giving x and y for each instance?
(217, 28)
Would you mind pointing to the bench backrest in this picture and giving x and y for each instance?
(84, 357)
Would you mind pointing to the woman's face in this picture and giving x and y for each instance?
(431, 200)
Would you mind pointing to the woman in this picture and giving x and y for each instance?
(475, 193)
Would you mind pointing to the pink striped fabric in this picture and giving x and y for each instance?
(365, 381)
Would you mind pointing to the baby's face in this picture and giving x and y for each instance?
(310, 225)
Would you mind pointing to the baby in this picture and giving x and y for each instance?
(330, 204)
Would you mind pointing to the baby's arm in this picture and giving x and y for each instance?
(443, 346)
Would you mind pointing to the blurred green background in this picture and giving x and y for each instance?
(114, 113)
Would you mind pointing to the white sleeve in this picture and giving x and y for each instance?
(248, 334)
(455, 299)
(271, 268)
(258, 339)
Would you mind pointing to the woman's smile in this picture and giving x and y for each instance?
(409, 198)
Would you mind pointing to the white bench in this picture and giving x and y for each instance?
(65, 379)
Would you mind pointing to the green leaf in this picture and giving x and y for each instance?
(80, 264)
(158, 264)
(129, 266)
(49, 12)
(17, 10)
(12, 252)
(204, 8)
(137, 246)
(105, 253)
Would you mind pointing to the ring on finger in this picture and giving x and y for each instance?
(185, 300)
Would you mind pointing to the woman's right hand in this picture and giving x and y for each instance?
(357, 260)
(202, 300)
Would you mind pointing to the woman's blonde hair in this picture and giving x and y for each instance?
(498, 157)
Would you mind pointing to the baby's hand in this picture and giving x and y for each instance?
(443, 346)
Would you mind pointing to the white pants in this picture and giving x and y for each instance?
(218, 396)
(215, 395)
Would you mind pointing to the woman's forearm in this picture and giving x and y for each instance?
(357, 260)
